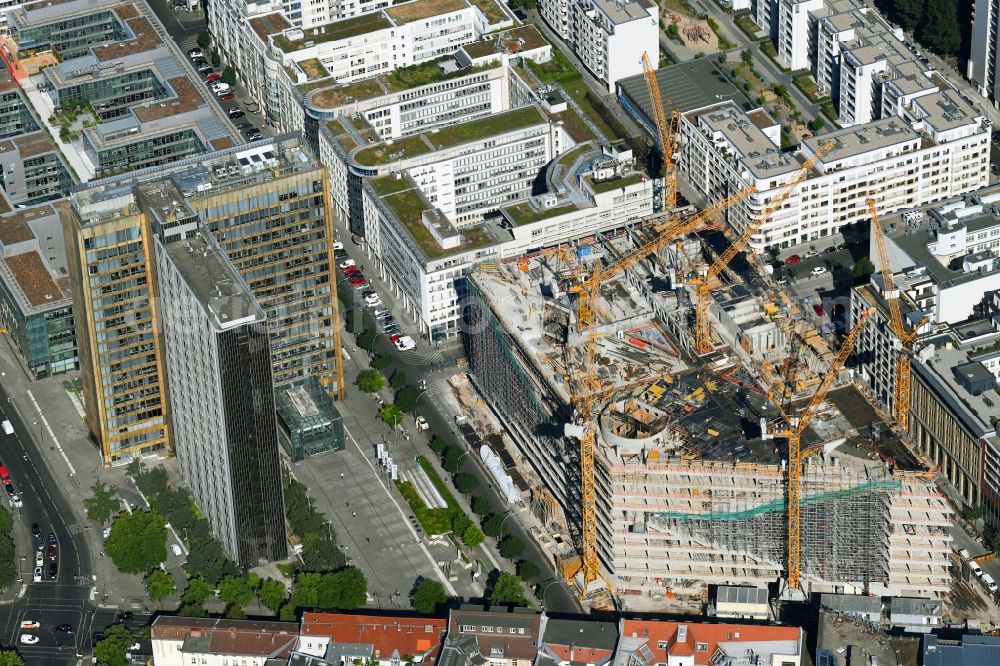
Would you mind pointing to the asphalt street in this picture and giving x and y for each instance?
(51, 602)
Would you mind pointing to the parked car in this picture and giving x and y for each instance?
(53, 553)
(344, 264)
(64, 628)
(253, 134)
(359, 283)
(337, 245)
(818, 309)
(818, 270)
(35, 529)
(53, 570)
(394, 328)
(810, 254)
(52, 539)
(16, 501)
(29, 624)
(405, 343)
(422, 423)
(235, 114)
(29, 639)
(794, 259)
(198, 63)
(37, 577)
(214, 76)
(195, 53)
(219, 86)
(991, 584)
(205, 70)
(227, 97)
(243, 126)
(39, 543)
(39, 558)
(373, 303)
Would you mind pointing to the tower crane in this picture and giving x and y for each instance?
(703, 282)
(666, 131)
(792, 431)
(905, 338)
(585, 385)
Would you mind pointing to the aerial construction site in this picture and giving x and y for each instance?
(679, 409)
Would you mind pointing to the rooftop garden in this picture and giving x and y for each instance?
(524, 213)
(575, 127)
(451, 135)
(352, 27)
(406, 203)
(422, 9)
(566, 159)
(490, 9)
(601, 186)
(313, 68)
(331, 98)
(425, 73)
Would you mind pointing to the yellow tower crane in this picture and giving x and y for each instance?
(585, 385)
(703, 283)
(792, 430)
(904, 349)
(666, 132)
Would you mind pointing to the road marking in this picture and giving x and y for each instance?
(444, 580)
(45, 422)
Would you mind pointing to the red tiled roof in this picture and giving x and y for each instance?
(659, 633)
(416, 636)
(581, 654)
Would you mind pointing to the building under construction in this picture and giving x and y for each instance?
(688, 492)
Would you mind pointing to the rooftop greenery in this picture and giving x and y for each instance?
(524, 213)
(451, 135)
(602, 186)
(352, 27)
(331, 98)
(422, 9)
(490, 10)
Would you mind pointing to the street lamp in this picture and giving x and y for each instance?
(541, 596)
(510, 512)
(372, 345)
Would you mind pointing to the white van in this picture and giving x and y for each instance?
(976, 569)
(990, 583)
(8, 428)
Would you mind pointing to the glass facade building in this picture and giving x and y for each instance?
(308, 421)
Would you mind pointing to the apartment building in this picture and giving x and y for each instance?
(424, 255)
(945, 267)
(33, 169)
(118, 83)
(648, 642)
(35, 303)
(267, 204)
(181, 641)
(501, 637)
(981, 67)
(566, 640)
(608, 36)
(217, 354)
(274, 56)
(938, 148)
(377, 640)
(794, 34)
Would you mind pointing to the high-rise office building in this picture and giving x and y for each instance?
(217, 357)
(267, 204)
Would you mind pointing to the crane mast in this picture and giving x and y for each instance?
(901, 390)
(665, 131)
(792, 432)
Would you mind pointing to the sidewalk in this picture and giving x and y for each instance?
(80, 465)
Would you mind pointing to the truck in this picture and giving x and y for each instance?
(8, 428)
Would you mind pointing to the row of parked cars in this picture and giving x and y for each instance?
(224, 92)
(384, 318)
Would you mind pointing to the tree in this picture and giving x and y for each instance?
(781, 90)
(863, 268)
(235, 613)
(371, 381)
(526, 570)
(320, 553)
(747, 56)
(451, 459)
(459, 523)
(973, 513)
(102, 504)
(10, 658)
(817, 124)
(465, 483)
(192, 610)
(138, 541)
(197, 592)
(381, 362)
(229, 76)
(481, 506)
(272, 594)
(239, 590)
(939, 27)
(493, 525)
(428, 596)
(204, 39)
(508, 591)
(367, 339)
(343, 590)
(159, 584)
(407, 398)
(399, 380)
(110, 650)
(391, 415)
(511, 547)
(438, 444)
(472, 536)
(908, 13)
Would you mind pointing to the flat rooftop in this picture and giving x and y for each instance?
(946, 110)
(512, 41)
(754, 148)
(624, 12)
(974, 411)
(446, 137)
(14, 227)
(418, 10)
(332, 32)
(34, 280)
(852, 141)
(692, 85)
(214, 281)
(145, 39)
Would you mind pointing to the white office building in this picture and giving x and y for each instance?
(274, 56)
(981, 68)
(937, 149)
(608, 36)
